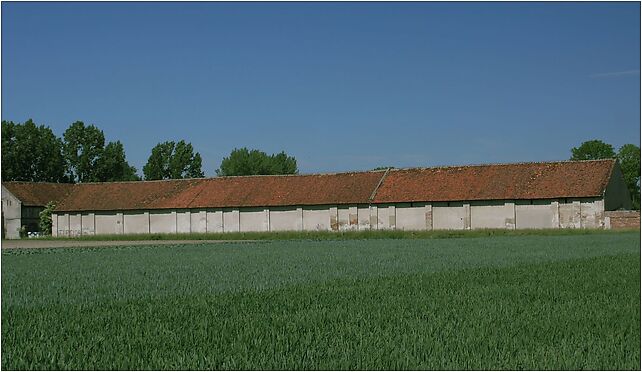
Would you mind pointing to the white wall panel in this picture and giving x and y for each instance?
(316, 218)
(410, 216)
(162, 222)
(253, 219)
(447, 216)
(285, 219)
(136, 222)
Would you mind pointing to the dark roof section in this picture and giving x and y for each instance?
(497, 182)
(36, 194)
(112, 196)
(222, 192)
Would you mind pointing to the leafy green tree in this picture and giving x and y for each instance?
(283, 164)
(170, 160)
(45, 218)
(185, 163)
(382, 168)
(157, 167)
(90, 160)
(31, 153)
(112, 164)
(83, 147)
(244, 162)
(593, 150)
(629, 157)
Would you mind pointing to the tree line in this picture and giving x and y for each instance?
(34, 153)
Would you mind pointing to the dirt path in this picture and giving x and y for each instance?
(34, 243)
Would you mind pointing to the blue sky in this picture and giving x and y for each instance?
(341, 86)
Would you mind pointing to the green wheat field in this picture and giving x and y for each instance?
(500, 302)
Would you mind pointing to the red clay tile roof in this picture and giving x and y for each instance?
(317, 189)
(497, 182)
(481, 182)
(250, 191)
(35, 194)
(110, 196)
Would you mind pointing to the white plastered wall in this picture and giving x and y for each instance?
(536, 214)
(162, 222)
(386, 216)
(183, 221)
(502, 214)
(592, 213)
(75, 224)
(253, 220)
(449, 216)
(198, 220)
(88, 222)
(492, 215)
(363, 215)
(136, 222)
(107, 223)
(413, 216)
(286, 219)
(348, 216)
(569, 214)
(11, 214)
(63, 224)
(214, 221)
(231, 220)
(316, 218)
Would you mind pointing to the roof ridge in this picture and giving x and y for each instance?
(612, 160)
(321, 174)
(295, 175)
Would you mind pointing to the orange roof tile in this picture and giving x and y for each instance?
(111, 196)
(316, 189)
(221, 192)
(481, 182)
(497, 181)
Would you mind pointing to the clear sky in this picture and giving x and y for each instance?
(341, 86)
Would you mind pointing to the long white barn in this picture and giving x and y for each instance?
(564, 194)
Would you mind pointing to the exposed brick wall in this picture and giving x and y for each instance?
(624, 219)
